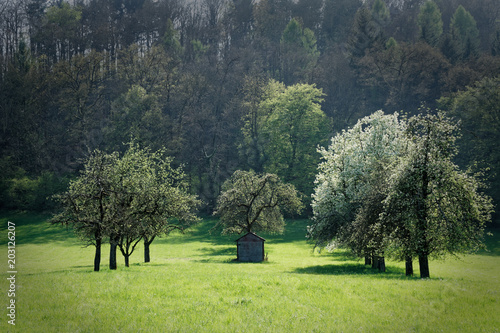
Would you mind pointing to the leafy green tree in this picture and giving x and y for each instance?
(380, 13)
(139, 196)
(60, 32)
(430, 23)
(162, 202)
(293, 127)
(391, 187)
(255, 202)
(366, 34)
(281, 130)
(171, 41)
(433, 208)
(87, 206)
(477, 109)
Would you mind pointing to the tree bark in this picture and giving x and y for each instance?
(113, 242)
(147, 257)
(97, 257)
(126, 260)
(423, 248)
(409, 266)
(368, 260)
(381, 264)
(423, 262)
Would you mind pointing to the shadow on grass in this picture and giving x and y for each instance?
(353, 269)
(219, 251)
(295, 230)
(35, 229)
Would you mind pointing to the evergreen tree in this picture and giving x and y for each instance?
(299, 53)
(465, 33)
(430, 23)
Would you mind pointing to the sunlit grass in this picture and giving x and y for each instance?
(193, 285)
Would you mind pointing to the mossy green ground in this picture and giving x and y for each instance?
(193, 285)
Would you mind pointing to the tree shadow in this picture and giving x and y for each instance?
(219, 251)
(35, 229)
(353, 269)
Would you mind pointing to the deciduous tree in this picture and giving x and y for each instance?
(255, 202)
(351, 180)
(87, 206)
(292, 130)
(432, 207)
(138, 196)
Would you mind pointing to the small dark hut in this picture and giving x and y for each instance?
(250, 248)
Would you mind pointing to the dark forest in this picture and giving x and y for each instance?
(200, 79)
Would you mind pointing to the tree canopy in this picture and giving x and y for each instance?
(389, 186)
(76, 76)
(252, 202)
(138, 196)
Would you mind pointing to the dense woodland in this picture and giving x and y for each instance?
(233, 84)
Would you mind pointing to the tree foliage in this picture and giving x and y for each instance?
(477, 109)
(389, 186)
(71, 73)
(293, 128)
(353, 168)
(430, 23)
(252, 202)
(138, 196)
(465, 33)
(432, 207)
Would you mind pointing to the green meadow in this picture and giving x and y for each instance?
(193, 285)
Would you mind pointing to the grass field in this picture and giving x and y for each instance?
(192, 285)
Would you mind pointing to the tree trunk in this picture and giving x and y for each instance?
(147, 257)
(113, 242)
(409, 266)
(374, 261)
(97, 257)
(368, 260)
(126, 260)
(381, 264)
(423, 262)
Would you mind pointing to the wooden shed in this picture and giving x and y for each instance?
(250, 248)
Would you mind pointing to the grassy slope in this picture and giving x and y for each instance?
(193, 285)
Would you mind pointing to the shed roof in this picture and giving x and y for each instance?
(251, 235)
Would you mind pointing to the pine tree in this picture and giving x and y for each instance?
(430, 23)
(465, 33)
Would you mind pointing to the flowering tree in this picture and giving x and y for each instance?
(432, 207)
(355, 167)
(87, 206)
(138, 196)
(390, 185)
